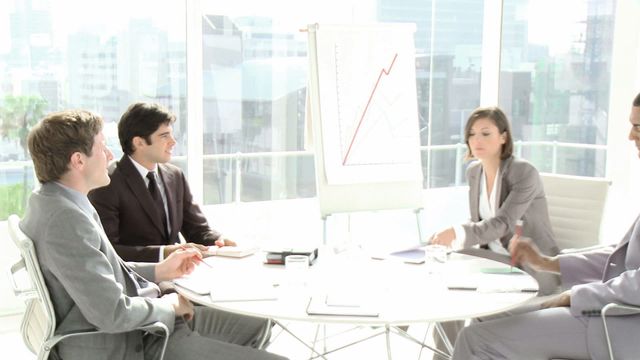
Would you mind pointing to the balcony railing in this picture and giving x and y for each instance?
(239, 158)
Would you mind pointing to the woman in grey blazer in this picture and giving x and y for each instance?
(502, 191)
(569, 325)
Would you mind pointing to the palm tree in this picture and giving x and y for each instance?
(18, 114)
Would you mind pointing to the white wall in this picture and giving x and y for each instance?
(623, 165)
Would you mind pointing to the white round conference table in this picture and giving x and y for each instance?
(386, 293)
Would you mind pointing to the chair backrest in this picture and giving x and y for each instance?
(38, 323)
(576, 207)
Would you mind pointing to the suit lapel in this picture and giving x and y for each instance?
(138, 188)
(120, 269)
(474, 192)
(504, 169)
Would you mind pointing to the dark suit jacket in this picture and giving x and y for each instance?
(131, 221)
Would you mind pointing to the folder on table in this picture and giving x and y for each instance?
(277, 256)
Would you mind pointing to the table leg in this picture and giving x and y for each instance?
(386, 332)
(300, 340)
(444, 337)
(422, 343)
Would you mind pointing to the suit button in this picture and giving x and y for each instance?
(138, 347)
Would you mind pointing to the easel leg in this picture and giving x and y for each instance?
(418, 212)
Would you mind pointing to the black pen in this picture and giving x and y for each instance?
(465, 288)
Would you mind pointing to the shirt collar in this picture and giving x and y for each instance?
(77, 198)
(141, 169)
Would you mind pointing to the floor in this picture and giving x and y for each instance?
(282, 343)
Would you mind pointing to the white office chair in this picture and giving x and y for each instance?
(576, 206)
(39, 321)
(613, 309)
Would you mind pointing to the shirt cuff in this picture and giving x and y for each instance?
(461, 236)
(161, 254)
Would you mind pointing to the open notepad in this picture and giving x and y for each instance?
(493, 282)
(229, 289)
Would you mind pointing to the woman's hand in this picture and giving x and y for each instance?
(444, 237)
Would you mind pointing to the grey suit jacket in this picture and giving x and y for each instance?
(520, 195)
(131, 221)
(610, 274)
(89, 285)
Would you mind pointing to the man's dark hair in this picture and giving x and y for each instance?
(141, 119)
(636, 101)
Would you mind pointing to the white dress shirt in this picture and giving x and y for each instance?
(487, 206)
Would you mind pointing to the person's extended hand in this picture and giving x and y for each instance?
(179, 263)
(524, 251)
(169, 249)
(181, 305)
(225, 242)
(561, 300)
(444, 237)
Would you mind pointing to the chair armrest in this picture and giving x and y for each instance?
(582, 250)
(614, 309)
(157, 328)
(18, 291)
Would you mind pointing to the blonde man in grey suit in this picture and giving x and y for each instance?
(91, 287)
(569, 325)
(502, 191)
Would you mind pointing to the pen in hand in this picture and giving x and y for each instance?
(206, 263)
(518, 234)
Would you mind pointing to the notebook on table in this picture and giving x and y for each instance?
(231, 251)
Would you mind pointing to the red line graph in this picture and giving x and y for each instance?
(383, 71)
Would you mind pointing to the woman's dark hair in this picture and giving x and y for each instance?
(500, 120)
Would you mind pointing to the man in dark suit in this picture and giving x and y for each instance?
(148, 202)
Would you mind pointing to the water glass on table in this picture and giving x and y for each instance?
(435, 257)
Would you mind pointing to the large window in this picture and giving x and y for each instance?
(59, 54)
(448, 59)
(254, 91)
(555, 80)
